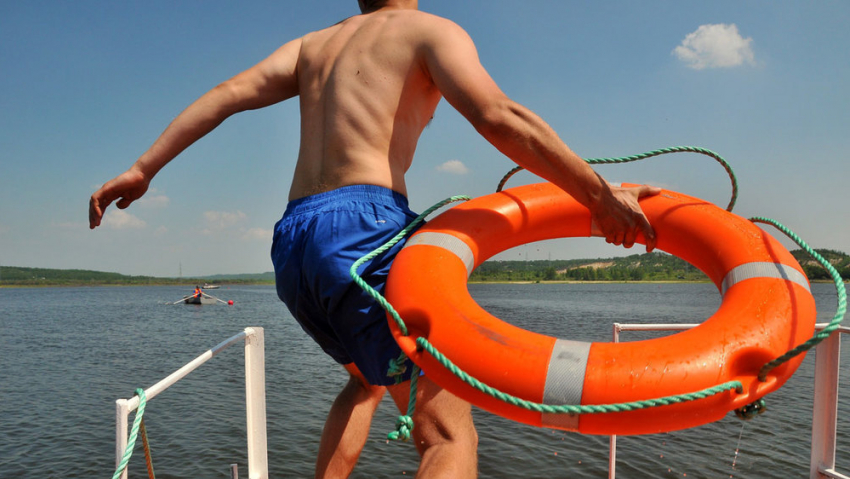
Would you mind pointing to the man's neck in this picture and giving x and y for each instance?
(393, 5)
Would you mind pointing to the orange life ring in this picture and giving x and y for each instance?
(767, 308)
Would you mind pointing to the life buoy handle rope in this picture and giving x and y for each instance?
(840, 289)
(389, 244)
(425, 345)
(650, 154)
(405, 422)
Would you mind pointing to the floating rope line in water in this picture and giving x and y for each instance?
(650, 154)
(840, 290)
(737, 448)
(397, 368)
(134, 432)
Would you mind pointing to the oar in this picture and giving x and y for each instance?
(217, 299)
(181, 300)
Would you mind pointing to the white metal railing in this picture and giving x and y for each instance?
(824, 420)
(825, 411)
(255, 400)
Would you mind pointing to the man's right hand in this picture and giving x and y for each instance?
(620, 218)
(129, 186)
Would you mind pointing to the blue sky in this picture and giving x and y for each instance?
(87, 86)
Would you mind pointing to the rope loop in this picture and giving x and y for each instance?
(840, 290)
(649, 154)
(404, 426)
(397, 368)
(389, 244)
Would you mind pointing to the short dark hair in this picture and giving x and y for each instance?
(367, 6)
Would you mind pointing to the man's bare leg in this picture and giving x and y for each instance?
(347, 426)
(443, 430)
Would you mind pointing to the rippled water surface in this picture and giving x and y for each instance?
(66, 355)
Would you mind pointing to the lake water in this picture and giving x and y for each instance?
(66, 355)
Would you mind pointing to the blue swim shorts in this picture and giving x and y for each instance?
(315, 243)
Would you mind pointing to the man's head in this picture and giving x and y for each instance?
(368, 6)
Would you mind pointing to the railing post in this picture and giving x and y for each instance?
(255, 403)
(825, 411)
(612, 441)
(122, 413)
(255, 400)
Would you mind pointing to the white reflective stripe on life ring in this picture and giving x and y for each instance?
(565, 381)
(762, 270)
(448, 242)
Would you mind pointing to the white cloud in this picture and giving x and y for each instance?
(455, 167)
(258, 234)
(66, 225)
(715, 46)
(155, 201)
(120, 220)
(222, 220)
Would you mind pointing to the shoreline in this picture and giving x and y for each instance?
(267, 283)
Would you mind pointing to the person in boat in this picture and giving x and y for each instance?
(198, 292)
(367, 87)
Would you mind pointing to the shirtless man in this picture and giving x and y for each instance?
(368, 86)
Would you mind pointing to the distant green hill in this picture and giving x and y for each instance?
(267, 277)
(638, 267)
(840, 261)
(18, 276)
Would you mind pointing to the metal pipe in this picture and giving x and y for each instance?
(825, 410)
(255, 400)
(255, 403)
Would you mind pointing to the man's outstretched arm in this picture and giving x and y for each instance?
(268, 82)
(452, 61)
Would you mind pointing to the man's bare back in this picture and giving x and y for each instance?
(370, 84)
(366, 96)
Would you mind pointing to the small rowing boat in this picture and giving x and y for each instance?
(199, 300)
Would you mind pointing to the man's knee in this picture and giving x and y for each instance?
(443, 418)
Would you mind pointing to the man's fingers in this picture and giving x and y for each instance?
(618, 238)
(646, 228)
(94, 213)
(648, 235)
(632, 221)
(646, 190)
(97, 205)
(629, 238)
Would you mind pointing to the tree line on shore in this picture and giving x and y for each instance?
(20, 276)
(639, 267)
